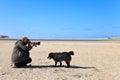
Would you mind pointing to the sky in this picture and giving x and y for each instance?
(60, 18)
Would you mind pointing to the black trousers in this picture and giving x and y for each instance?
(23, 63)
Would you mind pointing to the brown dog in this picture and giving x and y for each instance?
(61, 56)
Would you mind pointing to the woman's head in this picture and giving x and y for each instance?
(25, 40)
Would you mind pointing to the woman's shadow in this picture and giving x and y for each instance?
(52, 66)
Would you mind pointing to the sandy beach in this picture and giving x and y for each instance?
(93, 60)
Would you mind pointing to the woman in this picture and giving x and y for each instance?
(20, 56)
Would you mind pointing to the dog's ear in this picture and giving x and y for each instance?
(51, 55)
(71, 52)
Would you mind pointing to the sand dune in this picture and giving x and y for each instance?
(92, 61)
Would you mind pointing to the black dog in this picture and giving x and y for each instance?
(61, 56)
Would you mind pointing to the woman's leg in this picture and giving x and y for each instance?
(23, 63)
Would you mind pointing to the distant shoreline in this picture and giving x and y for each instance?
(101, 39)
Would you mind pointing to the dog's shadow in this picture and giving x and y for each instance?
(52, 66)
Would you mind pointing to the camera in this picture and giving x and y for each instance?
(35, 43)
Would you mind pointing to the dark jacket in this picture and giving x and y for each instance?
(20, 52)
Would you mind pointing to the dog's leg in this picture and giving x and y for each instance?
(60, 63)
(55, 63)
(68, 63)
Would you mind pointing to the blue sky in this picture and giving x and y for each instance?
(60, 18)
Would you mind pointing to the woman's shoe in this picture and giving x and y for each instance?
(14, 66)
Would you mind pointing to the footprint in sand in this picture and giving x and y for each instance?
(77, 76)
(58, 70)
(96, 70)
(4, 73)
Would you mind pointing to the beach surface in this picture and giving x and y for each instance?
(93, 60)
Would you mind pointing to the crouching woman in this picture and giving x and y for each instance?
(20, 56)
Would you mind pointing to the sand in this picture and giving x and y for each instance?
(93, 60)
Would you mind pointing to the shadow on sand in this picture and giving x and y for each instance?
(52, 66)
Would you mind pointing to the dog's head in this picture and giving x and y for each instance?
(50, 55)
(71, 52)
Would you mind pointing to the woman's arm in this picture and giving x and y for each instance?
(24, 47)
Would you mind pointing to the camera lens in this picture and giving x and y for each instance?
(38, 43)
